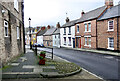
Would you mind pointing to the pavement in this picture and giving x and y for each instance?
(97, 51)
(26, 67)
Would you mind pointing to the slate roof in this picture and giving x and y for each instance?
(111, 12)
(50, 31)
(41, 32)
(91, 14)
(71, 23)
(57, 31)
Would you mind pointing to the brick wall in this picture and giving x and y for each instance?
(82, 33)
(48, 40)
(103, 33)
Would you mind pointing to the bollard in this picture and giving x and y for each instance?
(52, 53)
(36, 49)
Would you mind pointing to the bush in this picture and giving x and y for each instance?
(42, 52)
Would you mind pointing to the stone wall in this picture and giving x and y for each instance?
(10, 46)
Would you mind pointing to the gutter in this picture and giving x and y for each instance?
(117, 33)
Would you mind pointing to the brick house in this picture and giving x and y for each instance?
(86, 27)
(11, 29)
(47, 37)
(108, 27)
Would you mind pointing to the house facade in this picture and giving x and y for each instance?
(109, 29)
(56, 36)
(47, 37)
(86, 27)
(39, 35)
(12, 30)
(67, 34)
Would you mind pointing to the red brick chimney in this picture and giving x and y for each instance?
(58, 25)
(109, 3)
(48, 27)
(82, 13)
(67, 19)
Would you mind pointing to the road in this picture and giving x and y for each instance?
(104, 66)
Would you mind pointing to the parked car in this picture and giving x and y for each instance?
(38, 45)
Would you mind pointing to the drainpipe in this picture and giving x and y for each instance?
(117, 33)
(96, 36)
(22, 3)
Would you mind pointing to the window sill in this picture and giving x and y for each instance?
(87, 31)
(69, 34)
(77, 32)
(110, 48)
(110, 30)
(69, 45)
(6, 36)
(87, 45)
(64, 34)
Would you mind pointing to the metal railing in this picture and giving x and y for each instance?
(35, 48)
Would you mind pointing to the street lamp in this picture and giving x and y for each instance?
(30, 32)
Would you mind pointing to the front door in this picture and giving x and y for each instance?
(73, 42)
(79, 42)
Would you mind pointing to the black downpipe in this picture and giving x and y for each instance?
(118, 33)
(96, 36)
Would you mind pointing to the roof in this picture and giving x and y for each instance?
(71, 23)
(92, 14)
(57, 31)
(111, 12)
(41, 32)
(50, 31)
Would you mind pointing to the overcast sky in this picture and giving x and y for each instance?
(49, 12)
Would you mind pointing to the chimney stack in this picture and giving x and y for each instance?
(82, 13)
(58, 25)
(67, 19)
(48, 27)
(109, 3)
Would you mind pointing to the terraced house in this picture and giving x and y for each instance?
(86, 26)
(109, 29)
(11, 29)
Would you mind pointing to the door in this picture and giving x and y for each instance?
(79, 42)
(73, 42)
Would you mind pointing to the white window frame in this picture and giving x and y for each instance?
(85, 27)
(69, 38)
(16, 5)
(89, 28)
(109, 43)
(69, 30)
(5, 26)
(65, 31)
(89, 41)
(18, 32)
(85, 41)
(113, 26)
(64, 40)
(78, 27)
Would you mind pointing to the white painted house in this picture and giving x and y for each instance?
(67, 34)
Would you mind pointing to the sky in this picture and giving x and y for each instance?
(49, 12)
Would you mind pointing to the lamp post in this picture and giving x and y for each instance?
(30, 32)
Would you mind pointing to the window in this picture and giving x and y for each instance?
(64, 30)
(89, 27)
(85, 27)
(55, 36)
(69, 41)
(64, 40)
(6, 28)
(89, 41)
(111, 43)
(16, 4)
(18, 33)
(77, 28)
(69, 30)
(85, 40)
(110, 25)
